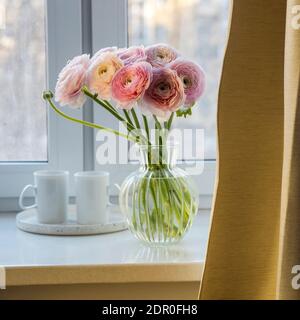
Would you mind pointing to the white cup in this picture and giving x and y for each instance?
(51, 196)
(92, 197)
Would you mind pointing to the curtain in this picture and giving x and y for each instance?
(289, 255)
(255, 229)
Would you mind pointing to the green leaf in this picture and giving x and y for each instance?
(185, 111)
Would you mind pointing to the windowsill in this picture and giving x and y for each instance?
(32, 259)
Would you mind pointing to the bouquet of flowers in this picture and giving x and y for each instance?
(159, 83)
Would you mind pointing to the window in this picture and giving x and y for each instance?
(197, 28)
(22, 79)
(36, 44)
(33, 34)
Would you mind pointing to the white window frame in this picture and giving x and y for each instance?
(70, 146)
(63, 34)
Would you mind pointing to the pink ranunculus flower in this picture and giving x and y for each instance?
(192, 77)
(132, 55)
(159, 55)
(130, 82)
(164, 95)
(101, 72)
(70, 81)
(99, 52)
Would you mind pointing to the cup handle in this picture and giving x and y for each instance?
(22, 206)
(109, 204)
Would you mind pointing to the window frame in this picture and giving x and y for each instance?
(61, 151)
(71, 21)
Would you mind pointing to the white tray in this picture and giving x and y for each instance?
(27, 221)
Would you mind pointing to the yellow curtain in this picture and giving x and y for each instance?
(255, 229)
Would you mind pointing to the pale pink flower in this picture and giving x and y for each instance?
(164, 95)
(130, 82)
(99, 52)
(70, 81)
(159, 55)
(132, 55)
(101, 72)
(192, 77)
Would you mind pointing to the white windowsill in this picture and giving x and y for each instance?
(32, 259)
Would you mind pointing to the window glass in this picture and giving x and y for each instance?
(23, 123)
(197, 28)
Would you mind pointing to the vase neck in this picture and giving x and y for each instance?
(158, 156)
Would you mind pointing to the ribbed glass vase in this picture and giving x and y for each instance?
(159, 200)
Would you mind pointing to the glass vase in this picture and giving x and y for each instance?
(159, 200)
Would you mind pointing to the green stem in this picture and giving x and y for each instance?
(157, 122)
(169, 122)
(127, 116)
(128, 120)
(146, 128)
(158, 139)
(107, 106)
(139, 135)
(135, 118)
(85, 123)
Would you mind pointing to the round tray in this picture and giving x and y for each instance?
(27, 221)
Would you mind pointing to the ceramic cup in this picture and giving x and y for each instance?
(51, 196)
(92, 197)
